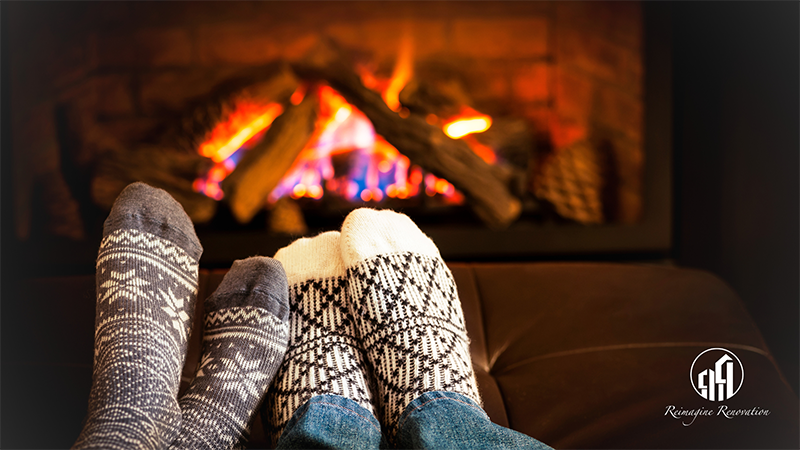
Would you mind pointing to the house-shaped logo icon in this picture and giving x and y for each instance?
(717, 374)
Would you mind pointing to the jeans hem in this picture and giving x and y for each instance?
(433, 396)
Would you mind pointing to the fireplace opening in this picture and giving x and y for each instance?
(343, 163)
(515, 127)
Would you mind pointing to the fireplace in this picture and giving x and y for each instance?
(272, 120)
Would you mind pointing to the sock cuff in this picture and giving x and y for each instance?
(312, 258)
(370, 232)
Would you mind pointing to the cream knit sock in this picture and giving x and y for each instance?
(323, 355)
(407, 311)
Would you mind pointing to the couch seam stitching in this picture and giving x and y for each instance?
(639, 346)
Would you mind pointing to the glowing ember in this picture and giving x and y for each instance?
(468, 122)
(299, 94)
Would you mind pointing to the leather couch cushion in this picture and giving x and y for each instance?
(590, 355)
(576, 355)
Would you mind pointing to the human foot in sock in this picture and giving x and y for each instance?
(323, 356)
(407, 311)
(244, 340)
(146, 280)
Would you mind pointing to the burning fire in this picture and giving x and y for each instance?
(243, 124)
(228, 141)
(403, 71)
(401, 74)
(375, 169)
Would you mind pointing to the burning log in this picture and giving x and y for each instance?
(174, 164)
(443, 99)
(264, 85)
(424, 144)
(509, 138)
(171, 170)
(261, 169)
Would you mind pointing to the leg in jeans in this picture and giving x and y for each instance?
(332, 421)
(323, 356)
(443, 420)
(407, 310)
(434, 420)
(411, 327)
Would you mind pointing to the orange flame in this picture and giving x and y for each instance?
(227, 137)
(247, 121)
(210, 185)
(403, 70)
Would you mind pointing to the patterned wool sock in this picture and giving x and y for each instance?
(407, 311)
(246, 330)
(146, 290)
(323, 355)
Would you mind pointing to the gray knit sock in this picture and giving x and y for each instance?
(323, 356)
(407, 311)
(246, 330)
(146, 291)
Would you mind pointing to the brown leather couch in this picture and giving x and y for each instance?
(576, 355)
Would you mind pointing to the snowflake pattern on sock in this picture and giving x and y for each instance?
(323, 356)
(412, 330)
(146, 291)
(242, 349)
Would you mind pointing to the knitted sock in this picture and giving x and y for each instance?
(146, 290)
(407, 311)
(323, 355)
(246, 330)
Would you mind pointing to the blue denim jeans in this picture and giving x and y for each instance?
(435, 420)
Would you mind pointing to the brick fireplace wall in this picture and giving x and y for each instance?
(570, 69)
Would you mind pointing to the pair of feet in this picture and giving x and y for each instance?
(147, 284)
(370, 314)
(375, 318)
